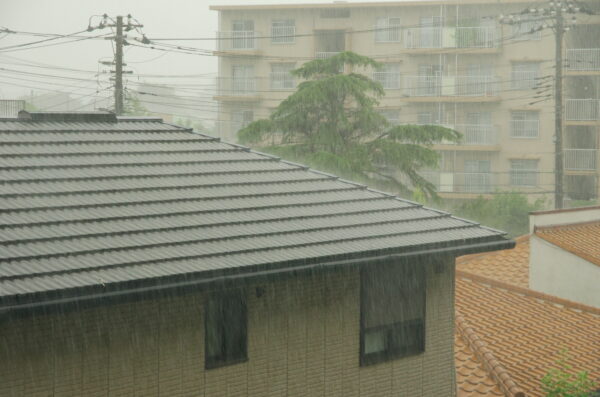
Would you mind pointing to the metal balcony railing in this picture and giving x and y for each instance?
(389, 80)
(583, 59)
(460, 182)
(451, 86)
(477, 134)
(325, 54)
(524, 128)
(283, 34)
(237, 40)
(580, 159)
(523, 80)
(237, 86)
(282, 81)
(451, 37)
(583, 109)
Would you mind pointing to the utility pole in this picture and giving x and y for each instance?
(559, 32)
(119, 67)
(119, 39)
(555, 13)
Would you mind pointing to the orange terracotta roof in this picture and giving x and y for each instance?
(581, 239)
(514, 335)
(510, 266)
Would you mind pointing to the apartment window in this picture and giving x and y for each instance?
(225, 329)
(392, 311)
(477, 176)
(241, 118)
(387, 30)
(523, 172)
(524, 124)
(526, 30)
(242, 80)
(335, 13)
(281, 78)
(283, 31)
(391, 115)
(242, 35)
(525, 75)
(388, 75)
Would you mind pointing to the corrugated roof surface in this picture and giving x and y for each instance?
(85, 205)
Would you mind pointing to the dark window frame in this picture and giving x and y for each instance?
(417, 325)
(227, 357)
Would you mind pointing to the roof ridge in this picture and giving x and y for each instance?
(528, 292)
(488, 360)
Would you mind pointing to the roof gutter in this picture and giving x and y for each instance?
(99, 298)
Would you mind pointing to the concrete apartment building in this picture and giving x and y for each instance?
(444, 62)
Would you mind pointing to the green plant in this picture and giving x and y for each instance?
(506, 211)
(564, 382)
(331, 123)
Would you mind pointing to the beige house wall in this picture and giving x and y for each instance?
(303, 340)
(361, 39)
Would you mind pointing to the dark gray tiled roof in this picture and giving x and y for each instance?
(93, 204)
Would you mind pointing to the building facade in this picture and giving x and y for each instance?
(449, 63)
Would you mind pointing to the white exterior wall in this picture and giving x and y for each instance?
(554, 271)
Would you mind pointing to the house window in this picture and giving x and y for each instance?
(525, 75)
(388, 75)
(523, 172)
(392, 311)
(225, 329)
(283, 31)
(387, 30)
(524, 124)
(281, 78)
(335, 13)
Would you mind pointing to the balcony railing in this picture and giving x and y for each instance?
(524, 128)
(460, 182)
(451, 37)
(583, 109)
(580, 159)
(237, 86)
(389, 80)
(428, 86)
(283, 34)
(237, 40)
(583, 59)
(325, 54)
(477, 134)
(522, 80)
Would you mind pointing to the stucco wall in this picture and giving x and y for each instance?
(555, 271)
(303, 340)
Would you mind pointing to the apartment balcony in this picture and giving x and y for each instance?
(283, 81)
(242, 41)
(524, 80)
(452, 88)
(389, 80)
(283, 34)
(583, 61)
(461, 182)
(451, 39)
(582, 111)
(475, 137)
(580, 159)
(237, 89)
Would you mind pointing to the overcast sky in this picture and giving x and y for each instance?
(164, 18)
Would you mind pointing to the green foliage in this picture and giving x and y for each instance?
(331, 123)
(563, 382)
(133, 106)
(190, 123)
(506, 211)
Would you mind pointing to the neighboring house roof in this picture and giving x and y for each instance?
(510, 266)
(91, 206)
(581, 239)
(514, 334)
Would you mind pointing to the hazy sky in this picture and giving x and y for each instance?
(172, 18)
